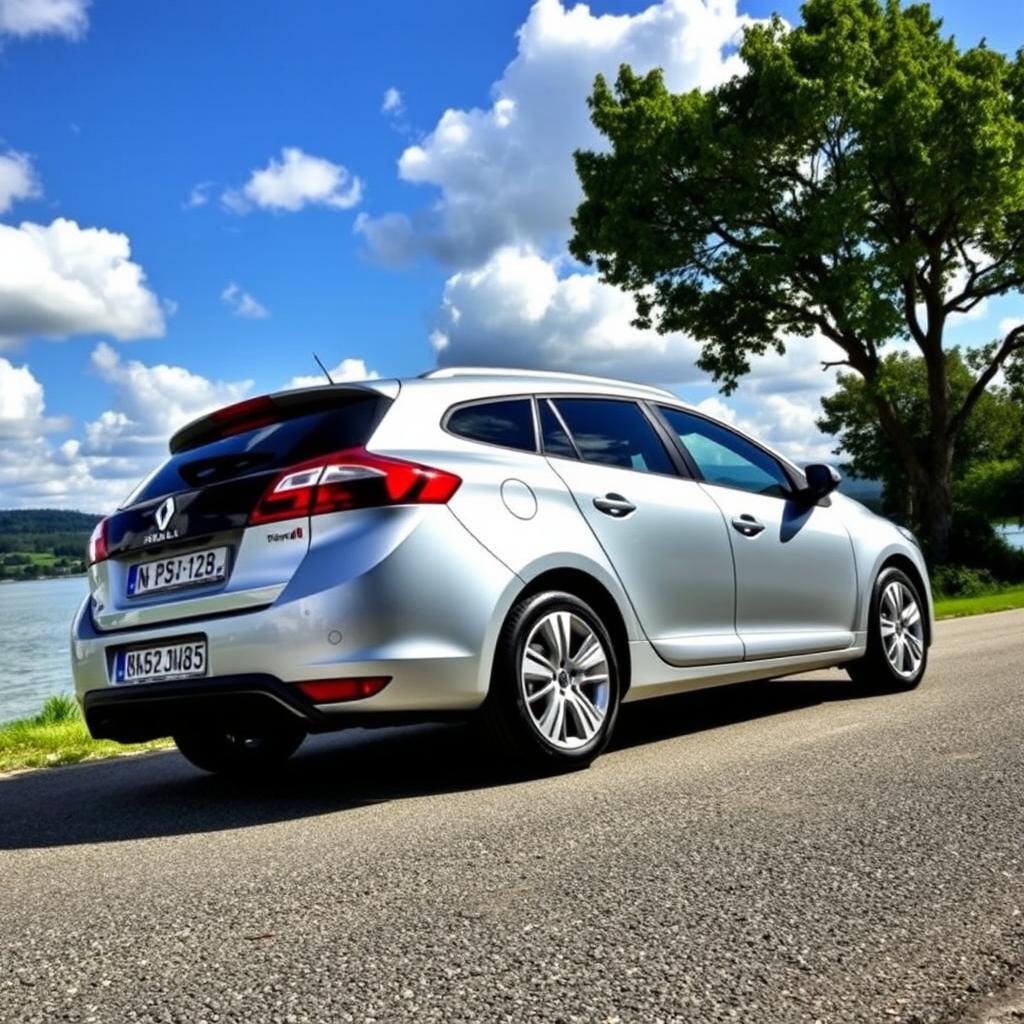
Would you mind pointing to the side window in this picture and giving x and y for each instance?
(505, 423)
(725, 458)
(614, 433)
(556, 440)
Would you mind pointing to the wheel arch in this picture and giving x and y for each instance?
(586, 587)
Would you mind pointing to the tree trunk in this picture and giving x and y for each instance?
(934, 499)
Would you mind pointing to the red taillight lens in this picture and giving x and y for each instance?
(98, 543)
(349, 480)
(330, 691)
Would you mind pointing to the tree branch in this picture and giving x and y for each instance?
(1013, 342)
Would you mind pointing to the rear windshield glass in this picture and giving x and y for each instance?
(270, 447)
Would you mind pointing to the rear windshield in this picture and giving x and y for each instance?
(265, 448)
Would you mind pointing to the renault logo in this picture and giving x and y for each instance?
(164, 514)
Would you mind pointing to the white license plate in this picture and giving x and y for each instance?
(181, 660)
(191, 570)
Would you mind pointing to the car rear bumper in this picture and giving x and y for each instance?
(426, 615)
(135, 714)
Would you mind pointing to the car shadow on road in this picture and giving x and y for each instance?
(155, 795)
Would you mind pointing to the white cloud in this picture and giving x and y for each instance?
(514, 310)
(18, 179)
(21, 405)
(505, 173)
(95, 470)
(198, 196)
(243, 304)
(62, 279)
(152, 401)
(393, 103)
(22, 18)
(295, 181)
(346, 370)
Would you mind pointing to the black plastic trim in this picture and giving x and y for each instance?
(135, 713)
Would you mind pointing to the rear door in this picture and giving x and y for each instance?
(796, 580)
(183, 543)
(664, 536)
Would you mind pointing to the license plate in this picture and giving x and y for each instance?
(180, 660)
(191, 570)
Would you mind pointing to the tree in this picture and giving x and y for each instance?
(995, 488)
(862, 180)
(992, 436)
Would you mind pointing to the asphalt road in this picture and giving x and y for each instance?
(784, 851)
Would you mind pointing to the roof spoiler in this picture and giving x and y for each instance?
(263, 410)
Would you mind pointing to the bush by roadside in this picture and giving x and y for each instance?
(57, 735)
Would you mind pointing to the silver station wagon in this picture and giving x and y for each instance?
(530, 550)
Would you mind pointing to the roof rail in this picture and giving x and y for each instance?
(505, 371)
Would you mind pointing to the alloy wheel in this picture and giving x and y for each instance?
(564, 678)
(902, 629)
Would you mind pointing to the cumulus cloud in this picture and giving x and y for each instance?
(346, 370)
(62, 279)
(515, 310)
(96, 469)
(242, 304)
(68, 18)
(152, 401)
(505, 172)
(22, 409)
(295, 181)
(18, 179)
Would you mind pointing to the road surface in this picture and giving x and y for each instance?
(772, 852)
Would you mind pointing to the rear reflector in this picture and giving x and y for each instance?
(348, 480)
(330, 691)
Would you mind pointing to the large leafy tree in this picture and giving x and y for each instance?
(863, 180)
(985, 452)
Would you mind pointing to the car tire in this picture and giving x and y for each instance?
(224, 750)
(897, 652)
(555, 685)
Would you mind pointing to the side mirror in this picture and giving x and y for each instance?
(822, 480)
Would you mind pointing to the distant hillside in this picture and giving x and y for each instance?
(45, 520)
(868, 492)
(36, 542)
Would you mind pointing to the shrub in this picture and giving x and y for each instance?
(57, 709)
(974, 544)
(962, 581)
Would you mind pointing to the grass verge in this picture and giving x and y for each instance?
(1001, 601)
(57, 735)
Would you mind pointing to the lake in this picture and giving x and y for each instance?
(35, 620)
(35, 623)
(1013, 535)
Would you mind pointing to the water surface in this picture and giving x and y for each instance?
(35, 623)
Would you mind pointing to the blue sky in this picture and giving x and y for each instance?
(391, 238)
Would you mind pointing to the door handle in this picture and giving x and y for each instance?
(747, 525)
(614, 505)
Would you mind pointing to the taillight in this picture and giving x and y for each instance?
(98, 543)
(352, 479)
(329, 691)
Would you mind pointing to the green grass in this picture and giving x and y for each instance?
(1001, 601)
(57, 735)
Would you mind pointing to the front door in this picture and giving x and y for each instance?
(796, 582)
